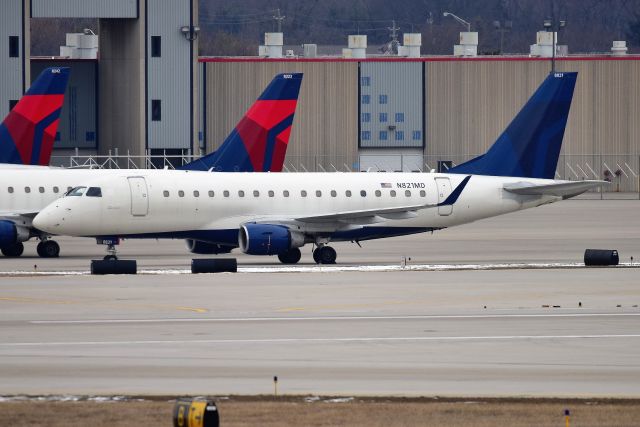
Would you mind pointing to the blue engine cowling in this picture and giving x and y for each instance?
(8, 233)
(268, 239)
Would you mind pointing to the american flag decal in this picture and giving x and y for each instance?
(385, 184)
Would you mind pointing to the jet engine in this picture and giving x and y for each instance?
(10, 233)
(205, 248)
(268, 239)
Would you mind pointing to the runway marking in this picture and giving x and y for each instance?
(29, 300)
(330, 318)
(36, 300)
(341, 268)
(314, 340)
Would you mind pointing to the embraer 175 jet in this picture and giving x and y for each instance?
(276, 214)
(258, 143)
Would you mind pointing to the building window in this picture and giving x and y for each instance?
(366, 117)
(90, 136)
(156, 110)
(399, 117)
(366, 135)
(383, 117)
(383, 135)
(399, 135)
(417, 135)
(382, 99)
(14, 47)
(366, 99)
(365, 81)
(156, 46)
(12, 103)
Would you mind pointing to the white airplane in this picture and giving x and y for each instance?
(276, 214)
(258, 143)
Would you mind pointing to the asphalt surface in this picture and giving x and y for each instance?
(513, 332)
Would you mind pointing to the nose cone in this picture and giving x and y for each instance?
(50, 219)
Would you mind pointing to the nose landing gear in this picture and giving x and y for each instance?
(48, 249)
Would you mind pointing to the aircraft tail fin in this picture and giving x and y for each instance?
(259, 141)
(530, 146)
(28, 132)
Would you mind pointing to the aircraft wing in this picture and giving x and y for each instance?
(564, 189)
(18, 213)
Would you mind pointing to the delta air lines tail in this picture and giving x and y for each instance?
(259, 142)
(28, 132)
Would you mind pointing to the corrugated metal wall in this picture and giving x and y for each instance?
(77, 126)
(84, 8)
(325, 129)
(169, 76)
(391, 109)
(10, 68)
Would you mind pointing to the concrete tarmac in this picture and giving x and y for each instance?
(521, 332)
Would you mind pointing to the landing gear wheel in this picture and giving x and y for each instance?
(13, 251)
(48, 249)
(292, 256)
(110, 257)
(325, 255)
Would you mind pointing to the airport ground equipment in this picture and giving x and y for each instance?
(601, 257)
(214, 265)
(195, 413)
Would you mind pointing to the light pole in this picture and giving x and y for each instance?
(549, 25)
(460, 20)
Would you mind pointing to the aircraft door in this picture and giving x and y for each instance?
(443, 185)
(139, 196)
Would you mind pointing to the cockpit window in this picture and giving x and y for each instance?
(94, 192)
(76, 191)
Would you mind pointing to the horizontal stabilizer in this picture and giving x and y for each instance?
(564, 189)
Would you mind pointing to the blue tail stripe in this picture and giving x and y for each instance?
(38, 135)
(52, 81)
(8, 150)
(455, 194)
(531, 144)
(271, 141)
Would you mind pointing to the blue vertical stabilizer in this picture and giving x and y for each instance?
(530, 146)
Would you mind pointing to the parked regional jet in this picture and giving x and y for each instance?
(258, 143)
(276, 214)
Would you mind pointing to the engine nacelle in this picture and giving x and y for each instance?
(205, 248)
(10, 233)
(268, 239)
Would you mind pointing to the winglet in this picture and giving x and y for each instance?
(453, 197)
(28, 132)
(259, 141)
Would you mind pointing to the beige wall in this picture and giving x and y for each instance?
(325, 128)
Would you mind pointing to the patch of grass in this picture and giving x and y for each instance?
(266, 411)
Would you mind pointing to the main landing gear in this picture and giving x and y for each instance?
(48, 249)
(324, 255)
(292, 256)
(12, 251)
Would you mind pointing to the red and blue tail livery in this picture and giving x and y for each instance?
(259, 141)
(27, 134)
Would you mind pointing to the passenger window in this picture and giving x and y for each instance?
(363, 193)
(407, 193)
(333, 193)
(347, 193)
(27, 189)
(56, 190)
(165, 193)
(41, 189)
(423, 193)
(393, 193)
(211, 193)
(10, 189)
(225, 193)
(303, 193)
(271, 193)
(94, 192)
(240, 193)
(78, 191)
(256, 193)
(378, 193)
(180, 193)
(318, 193)
(285, 193)
(196, 193)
